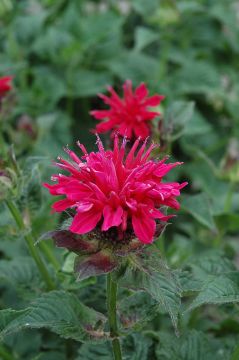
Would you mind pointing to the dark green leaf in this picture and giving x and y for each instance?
(57, 311)
(199, 207)
(150, 274)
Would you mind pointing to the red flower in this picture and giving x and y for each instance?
(131, 115)
(109, 189)
(5, 85)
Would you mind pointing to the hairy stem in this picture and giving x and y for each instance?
(111, 304)
(30, 243)
(49, 255)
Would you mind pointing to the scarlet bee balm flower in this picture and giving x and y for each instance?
(131, 115)
(5, 85)
(109, 189)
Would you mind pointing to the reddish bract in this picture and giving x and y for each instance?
(131, 115)
(110, 189)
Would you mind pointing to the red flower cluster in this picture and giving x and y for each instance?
(131, 115)
(5, 85)
(112, 189)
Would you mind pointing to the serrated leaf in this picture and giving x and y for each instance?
(218, 290)
(151, 275)
(189, 283)
(57, 311)
(134, 347)
(194, 345)
(19, 271)
(100, 351)
(9, 315)
(211, 263)
(136, 310)
(199, 207)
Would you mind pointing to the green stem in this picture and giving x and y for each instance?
(5, 355)
(2, 143)
(49, 256)
(111, 304)
(30, 243)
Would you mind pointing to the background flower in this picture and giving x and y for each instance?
(130, 115)
(5, 85)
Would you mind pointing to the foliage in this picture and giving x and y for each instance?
(61, 54)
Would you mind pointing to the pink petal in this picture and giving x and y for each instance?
(144, 227)
(141, 91)
(159, 215)
(77, 191)
(105, 126)
(62, 205)
(84, 206)
(85, 222)
(154, 100)
(112, 217)
(100, 114)
(163, 169)
(171, 202)
(127, 87)
(141, 130)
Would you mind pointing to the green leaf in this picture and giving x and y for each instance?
(52, 43)
(199, 207)
(57, 311)
(189, 282)
(235, 354)
(7, 316)
(176, 118)
(134, 66)
(193, 345)
(197, 77)
(57, 123)
(221, 289)
(100, 351)
(198, 125)
(136, 310)
(146, 8)
(19, 271)
(150, 274)
(212, 262)
(144, 37)
(84, 82)
(201, 268)
(134, 347)
(47, 78)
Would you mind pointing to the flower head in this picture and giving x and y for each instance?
(131, 115)
(5, 85)
(111, 190)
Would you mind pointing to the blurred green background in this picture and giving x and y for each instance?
(62, 53)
